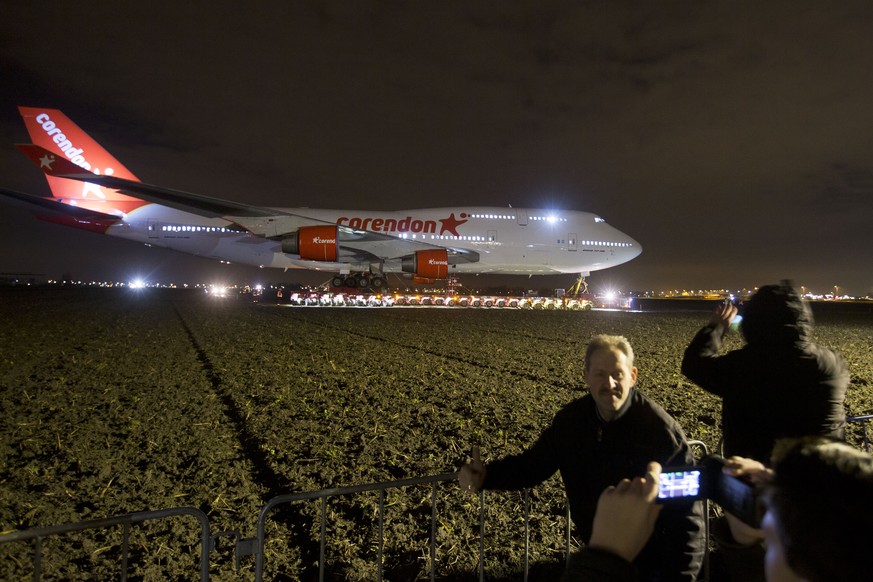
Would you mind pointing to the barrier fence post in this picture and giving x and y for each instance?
(125, 520)
(863, 420)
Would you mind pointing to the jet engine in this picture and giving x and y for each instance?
(313, 243)
(428, 264)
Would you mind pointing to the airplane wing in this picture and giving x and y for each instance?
(60, 167)
(354, 244)
(51, 211)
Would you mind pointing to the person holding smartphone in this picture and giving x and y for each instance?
(818, 500)
(779, 384)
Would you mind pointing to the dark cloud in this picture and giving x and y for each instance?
(845, 191)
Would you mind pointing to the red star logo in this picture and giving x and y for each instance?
(451, 224)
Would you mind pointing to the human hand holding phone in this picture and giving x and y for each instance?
(626, 515)
(724, 314)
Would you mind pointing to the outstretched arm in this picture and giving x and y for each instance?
(701, 363)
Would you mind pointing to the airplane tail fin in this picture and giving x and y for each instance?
(54, 131)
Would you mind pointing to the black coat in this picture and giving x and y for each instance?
(592, 454)
(780, 384)
(590, 565)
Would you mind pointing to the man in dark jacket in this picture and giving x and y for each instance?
(610, 434)
(780, 384)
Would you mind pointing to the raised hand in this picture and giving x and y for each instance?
(723, 315)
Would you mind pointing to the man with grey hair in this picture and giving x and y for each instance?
(611, 433)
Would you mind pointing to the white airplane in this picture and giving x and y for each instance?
(94, 191)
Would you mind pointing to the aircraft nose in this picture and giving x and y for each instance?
(632, 250)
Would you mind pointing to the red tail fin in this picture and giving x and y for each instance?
(54, 131)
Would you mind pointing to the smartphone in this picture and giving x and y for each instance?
(680, 484)
(707, 480)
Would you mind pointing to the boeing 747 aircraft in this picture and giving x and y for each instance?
(94, 191)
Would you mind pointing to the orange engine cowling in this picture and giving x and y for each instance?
(313, 243)
(429, 264)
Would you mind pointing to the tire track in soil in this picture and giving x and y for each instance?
(290, 515)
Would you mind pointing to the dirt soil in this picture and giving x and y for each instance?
(117, 401)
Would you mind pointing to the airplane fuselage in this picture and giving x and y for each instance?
(510, 241)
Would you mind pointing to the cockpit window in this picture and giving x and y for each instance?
(598, 219)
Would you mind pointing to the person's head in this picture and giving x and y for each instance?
(609, 372)
(819, 512)
(776, 314)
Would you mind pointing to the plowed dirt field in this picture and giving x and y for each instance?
(119, 401)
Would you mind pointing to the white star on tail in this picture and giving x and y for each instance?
(46, 161)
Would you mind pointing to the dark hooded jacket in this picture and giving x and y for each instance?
(780, 384)
(592, 454)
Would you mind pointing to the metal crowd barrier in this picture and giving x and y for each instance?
(38, 534)
(255, 546)
(701, 450)
(863, 420)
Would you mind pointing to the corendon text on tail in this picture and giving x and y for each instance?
(65, 145)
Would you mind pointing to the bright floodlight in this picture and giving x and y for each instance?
(137, 284)
(552, 219)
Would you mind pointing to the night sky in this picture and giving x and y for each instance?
(733, 140)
